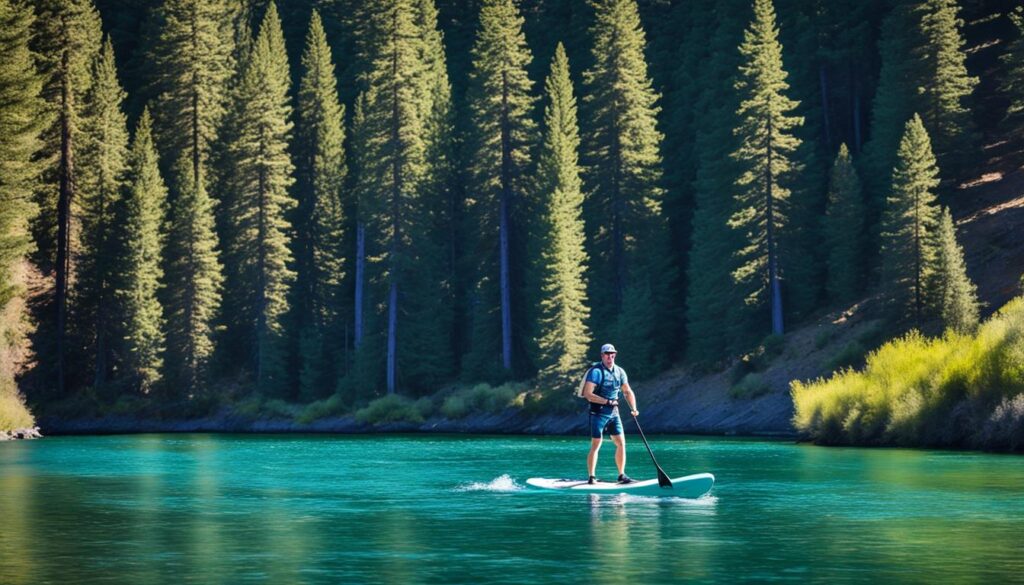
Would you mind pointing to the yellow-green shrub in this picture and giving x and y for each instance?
(482, 398)
(395, 408)
(912, 388)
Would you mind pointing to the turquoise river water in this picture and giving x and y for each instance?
(211, 509)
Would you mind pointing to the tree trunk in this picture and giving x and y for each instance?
(261, 274)
(506, 195)
(66, 171)
(357, 333)
(855, 99)
(773, 274)
(823, 79)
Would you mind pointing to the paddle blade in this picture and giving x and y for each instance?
(663, 479)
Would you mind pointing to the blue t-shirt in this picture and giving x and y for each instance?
(611, 387)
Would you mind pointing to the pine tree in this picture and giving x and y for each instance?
(102, 180)
(922, 71)
(195, 276)
(563, 337)
(68, 41)
(712, 300)
(1012, 86)
(145, 209)
(955, 294)
(503, 137)
(21, 120)
(320, 260)
(629, 244)
(945, 94)
(192, 63)
(843, 230)
(765, 161)
(392, 169)
(908, 227)
(257, 254)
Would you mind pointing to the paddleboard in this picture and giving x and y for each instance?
(690, 486)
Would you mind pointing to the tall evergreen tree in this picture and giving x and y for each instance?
(257, 254)
(392, 170)
(563, 337)
(320, 259)
(102, 181)
(21, 122)
(501, 144)
(711, 314)
(765, 162)
(843, 230)
(922, 71)
(442, 192)
(195, 275)
(954, 293)
(631, 278)
(191, 64)
(908, 227)
(22, 118)
(142, 319)
(68, 41)
(945, 94)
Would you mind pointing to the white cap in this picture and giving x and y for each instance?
(608, 348)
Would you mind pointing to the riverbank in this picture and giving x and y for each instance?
(750, 397)
(21, 434)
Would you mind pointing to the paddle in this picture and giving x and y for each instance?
(663, 479)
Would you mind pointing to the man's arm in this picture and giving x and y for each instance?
(589, 396)
(630, 398)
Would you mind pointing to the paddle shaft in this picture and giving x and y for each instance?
(663, 479)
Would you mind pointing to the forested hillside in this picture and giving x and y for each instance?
(329, 201)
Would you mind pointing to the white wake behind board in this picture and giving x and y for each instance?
(690, 486)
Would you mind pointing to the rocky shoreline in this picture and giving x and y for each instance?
(20, 434)
(661, 413)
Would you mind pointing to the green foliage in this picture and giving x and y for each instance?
(20, 87)
(923, 70)
(908, 227)
(13, 413)
(320, 255)
(191, 63)
(631, 274)
(956, 390)
(842, 230)
(194, 281)
(751, 386)
(501, 147)
(142, 319)
(563, 338)
(333, 405)
(395, 408)
(101, 181)
(765, 164)
(482, 398)
(953, 291)
(257, 254)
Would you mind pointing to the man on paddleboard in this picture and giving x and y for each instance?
(606, 384)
